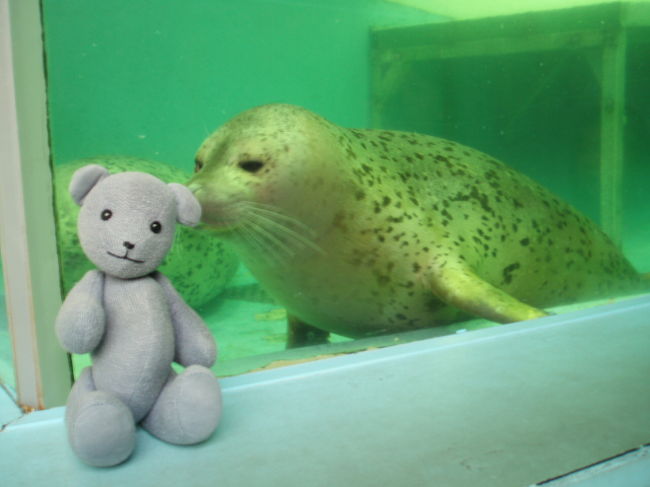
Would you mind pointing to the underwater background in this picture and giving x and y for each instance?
(148, 80)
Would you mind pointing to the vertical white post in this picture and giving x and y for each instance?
(27, 230)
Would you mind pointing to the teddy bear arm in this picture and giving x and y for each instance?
(81, 321)
(195, 345)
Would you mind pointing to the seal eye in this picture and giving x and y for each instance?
(251, 166)
(198, 165)
(156, 227)
(106, 215)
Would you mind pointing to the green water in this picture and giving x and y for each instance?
(152, 78)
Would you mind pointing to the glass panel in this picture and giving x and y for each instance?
(364, 233)
(7, 376)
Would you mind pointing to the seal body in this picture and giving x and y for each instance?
(361, 232)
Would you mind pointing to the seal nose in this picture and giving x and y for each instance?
(194, 187)
(128, 245)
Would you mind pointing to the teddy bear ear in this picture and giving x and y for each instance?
(187, 206)
(85, 179)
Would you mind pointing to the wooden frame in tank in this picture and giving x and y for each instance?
(603, 31)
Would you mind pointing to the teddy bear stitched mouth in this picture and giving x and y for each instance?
(125, 257)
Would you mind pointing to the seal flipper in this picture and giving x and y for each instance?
(301, 334)
(459, 286)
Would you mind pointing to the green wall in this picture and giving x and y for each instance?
(151, 78)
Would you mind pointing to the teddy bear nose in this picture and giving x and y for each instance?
(128, 245)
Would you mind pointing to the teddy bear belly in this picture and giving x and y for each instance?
(134, 358)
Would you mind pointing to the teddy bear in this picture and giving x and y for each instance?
(133, 322)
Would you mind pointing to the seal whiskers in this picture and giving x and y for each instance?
(272, 233)
(253, 241)
(276, 249)
(283, 224)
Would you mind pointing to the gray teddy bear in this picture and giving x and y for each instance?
(133, 322)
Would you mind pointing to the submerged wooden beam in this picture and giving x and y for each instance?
(612, 121)
(600, 29)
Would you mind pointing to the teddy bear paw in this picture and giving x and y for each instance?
(188, 409)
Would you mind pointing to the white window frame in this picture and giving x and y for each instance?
(27, 223)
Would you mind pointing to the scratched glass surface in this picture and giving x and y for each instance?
(559, 94)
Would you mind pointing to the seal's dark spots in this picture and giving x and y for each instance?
(251, 166)
(198, 165)
(106, 215)
(507, 272)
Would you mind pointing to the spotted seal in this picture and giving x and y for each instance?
(362, 232)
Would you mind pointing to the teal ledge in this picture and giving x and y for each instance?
(512, 405)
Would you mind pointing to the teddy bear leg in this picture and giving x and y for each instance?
(188, 408)
(100, 426)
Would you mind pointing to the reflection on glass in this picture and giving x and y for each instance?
(6, 354)
(564, 108)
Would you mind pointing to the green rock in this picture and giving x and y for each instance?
(199, 265)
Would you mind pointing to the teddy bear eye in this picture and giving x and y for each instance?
(156, 227)
(106, 215)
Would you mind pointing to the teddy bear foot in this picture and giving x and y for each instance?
(102, 433)
(188, 408)
(100, 426)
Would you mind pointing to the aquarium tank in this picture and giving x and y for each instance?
(556, 90)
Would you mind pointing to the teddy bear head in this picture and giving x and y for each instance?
(127, 221)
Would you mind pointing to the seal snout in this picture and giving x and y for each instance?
(215, 212)
(194, 187)
(202, 196)
(205, 199)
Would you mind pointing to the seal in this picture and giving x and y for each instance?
(365, 232)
